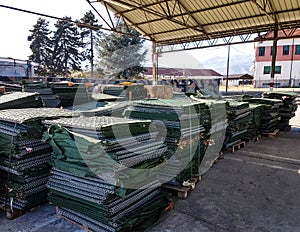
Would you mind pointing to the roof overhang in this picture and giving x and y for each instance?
(169, 22)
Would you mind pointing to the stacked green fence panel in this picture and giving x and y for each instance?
(44, 89)
(19, 100)
(270, 116)
(105, 172)
(239, 121)
(287, 109)
(215, 122)
(24, 156)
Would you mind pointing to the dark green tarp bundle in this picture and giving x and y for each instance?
(44, 89)
(287, 109)
(270, 113)
(105, 171)
(20, 100)
(24, 156)
(239, 121)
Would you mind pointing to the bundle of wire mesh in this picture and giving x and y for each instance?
(287, 109)
(255, 121)
(239, 121)
(24, 157)
(104, 172)
(19, 100)
(70, 93)
(181, 123)
(214, 119)
(114, 109)
(114, 90)
(44, 89)
(269, 114)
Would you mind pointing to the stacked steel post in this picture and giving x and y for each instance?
(104, 172)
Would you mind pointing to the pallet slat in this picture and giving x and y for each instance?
(182, 191)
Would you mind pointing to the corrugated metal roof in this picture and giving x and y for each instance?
(180, 21)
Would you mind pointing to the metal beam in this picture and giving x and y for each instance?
(191, 12)
(274, 54)
(216, 23)
(191, 15)
(228, 33)
(263, 9)
(158, 14)
(205, 44)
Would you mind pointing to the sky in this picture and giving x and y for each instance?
(15, 28)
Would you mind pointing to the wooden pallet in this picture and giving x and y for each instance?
(271, 135)
(182, 191)
(84, 227)
(253, 140)
(236, 147)
(15, 213)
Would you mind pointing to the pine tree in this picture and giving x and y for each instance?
(121, 55)
(41, 46)
(68, 45)
(90, 35)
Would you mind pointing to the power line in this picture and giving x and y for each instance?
(93, 27)
(55, 17)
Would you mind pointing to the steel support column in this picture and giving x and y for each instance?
(154, 61)
(274, 54)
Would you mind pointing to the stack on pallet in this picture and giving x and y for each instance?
(25, 157)
(70, 94)
(11, 87)
(44, 89)
(114, 90)
(253, 132)
(287, 110)
(19, 100)
(180, 124)
(215, 122)
(104, 172)
(114, 109)
(270, 114)
(239, 120)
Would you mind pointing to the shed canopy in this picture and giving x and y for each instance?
(169, 22)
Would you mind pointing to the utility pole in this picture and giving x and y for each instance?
(227, 74)
(154, 61)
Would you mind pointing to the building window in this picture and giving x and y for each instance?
(267, 69)
(297, 50)
(261, 51)
(286, 50)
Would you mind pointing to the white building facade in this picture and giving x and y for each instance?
(287, 70)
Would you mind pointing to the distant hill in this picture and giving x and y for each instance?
(238, 64)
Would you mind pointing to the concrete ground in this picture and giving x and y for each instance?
(254, 189)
